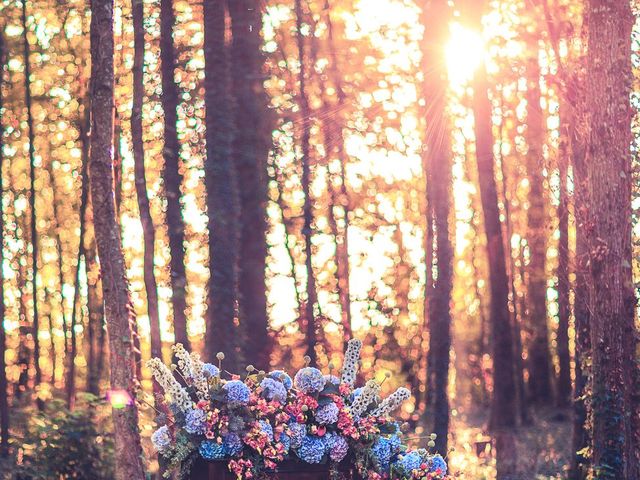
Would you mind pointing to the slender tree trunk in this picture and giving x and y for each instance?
(614, 335)
(59, 253)
(581, 439)
(539, 356)
(148, 229)
(522, 401)
(503, 408)
(70, 384)
(435, 17)
(222, 194)
(340, 196)
(32, 206)
(307, 229)
(119, 312)
(564, 308)
(4, 386)
(24, 328)
(95, 305)
(250, 150)
(171, 174)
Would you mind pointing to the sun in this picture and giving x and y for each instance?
(464, 51)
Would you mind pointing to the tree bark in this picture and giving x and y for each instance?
(503, 408)
(616, 374)
(171, 174)
(250, 149)
(119, 311)
(581, 439)
(148, 229)
(4, 386)
(223, 333)
(32, 205)
(539, 357)
(563, 286)
(435, 17)
(307, 229)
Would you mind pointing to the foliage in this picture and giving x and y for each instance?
(67, 444)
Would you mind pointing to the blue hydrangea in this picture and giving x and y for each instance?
(332, 379)
(232, 444)
(309, 380)
(210, 370)
(381, 451)
(437, 463)
(327, 414)
(161, 438)
(311, 450)
(395, 442)
(210, 450)
(282, 377)
(266, 427)
(286, 442)
(297, 432)
(195, 421)
(237, 393)
(273, 390)
(411, 461)
(356, 393)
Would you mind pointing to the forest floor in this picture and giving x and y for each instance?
(543, 448)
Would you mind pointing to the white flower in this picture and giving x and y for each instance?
(368, 395)
(392, 402)
(199, 378)
(350, 364)
(169, 384)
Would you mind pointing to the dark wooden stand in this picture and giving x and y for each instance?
(203, 470)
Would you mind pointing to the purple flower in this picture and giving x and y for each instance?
(237, 393)
(282, 377)
(210, 370)
(161, 438)
(266, 427)
(232, 444)
(195, 421)
(273, 390)
(327, 414)
(297, 432)
(309, 380)
(338, 447)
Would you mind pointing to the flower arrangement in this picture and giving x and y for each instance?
(257, 423)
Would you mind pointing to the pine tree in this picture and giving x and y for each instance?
(119, 312)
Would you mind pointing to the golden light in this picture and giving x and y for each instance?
(464, 52)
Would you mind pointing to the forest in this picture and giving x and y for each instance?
(447, 190)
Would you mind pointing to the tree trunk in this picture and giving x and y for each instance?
(435, 17)
(171, 174)
(616, 374)
(340, 197)
(32, 206)
(250, 150)
(70, 384)
(563, 286)
(503, 405)
(148, 229)
(4, 387)
(516, 313)
(119, 312)
(539, 356)
(307, 229)
(581, 439)
(223, 333)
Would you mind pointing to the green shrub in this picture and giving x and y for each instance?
(67, 444)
